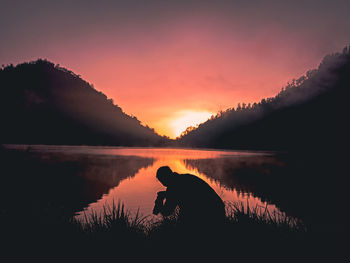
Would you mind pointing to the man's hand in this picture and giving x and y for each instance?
(161, 194)
(158, 203)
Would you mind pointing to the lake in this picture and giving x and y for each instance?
(128, 175)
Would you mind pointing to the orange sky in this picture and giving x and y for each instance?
(194, 72)
(174, 63)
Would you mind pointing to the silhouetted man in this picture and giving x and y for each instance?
(198, 203)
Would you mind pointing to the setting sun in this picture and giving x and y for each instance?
(188, 118)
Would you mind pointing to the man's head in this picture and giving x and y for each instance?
(165, 175)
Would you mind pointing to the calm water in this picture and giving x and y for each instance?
(128, 174)
(139, 192)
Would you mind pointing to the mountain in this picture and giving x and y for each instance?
(309, 113)
(43, 103)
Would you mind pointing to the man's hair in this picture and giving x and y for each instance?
(163, 171)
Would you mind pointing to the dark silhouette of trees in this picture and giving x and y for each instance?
(308, 112)
(43, 103)
(48, 104)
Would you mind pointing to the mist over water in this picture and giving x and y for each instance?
(139, 192)
(128, 174)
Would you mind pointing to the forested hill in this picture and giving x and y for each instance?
(310, 112)
(43, 103)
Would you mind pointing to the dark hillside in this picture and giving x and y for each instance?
(47, 104)
(308, 113)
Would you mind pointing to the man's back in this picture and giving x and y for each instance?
(195, 198)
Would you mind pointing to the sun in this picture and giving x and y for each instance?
(187, 118)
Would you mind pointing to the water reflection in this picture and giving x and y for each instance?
(65, 177)
(138, 193)
(84, 178)
(240, 173)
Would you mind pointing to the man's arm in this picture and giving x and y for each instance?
(170, 204)
(158, 203)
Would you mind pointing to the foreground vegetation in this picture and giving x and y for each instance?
(248, 233)
(116, 228)
(116, 221)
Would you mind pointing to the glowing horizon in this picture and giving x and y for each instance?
(164, 57)
(187, 118)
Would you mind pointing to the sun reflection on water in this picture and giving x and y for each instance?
(139, 192)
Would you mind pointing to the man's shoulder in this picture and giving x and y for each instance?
(186, 175)
(191, 178)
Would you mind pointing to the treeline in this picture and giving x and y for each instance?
(307, 112)
(43, 103)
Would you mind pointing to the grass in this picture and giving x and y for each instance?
(116, 218)
(238, 213)
(116, 225)
(246, 228)
(248, 232)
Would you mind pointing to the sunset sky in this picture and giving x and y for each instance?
(174, 63)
